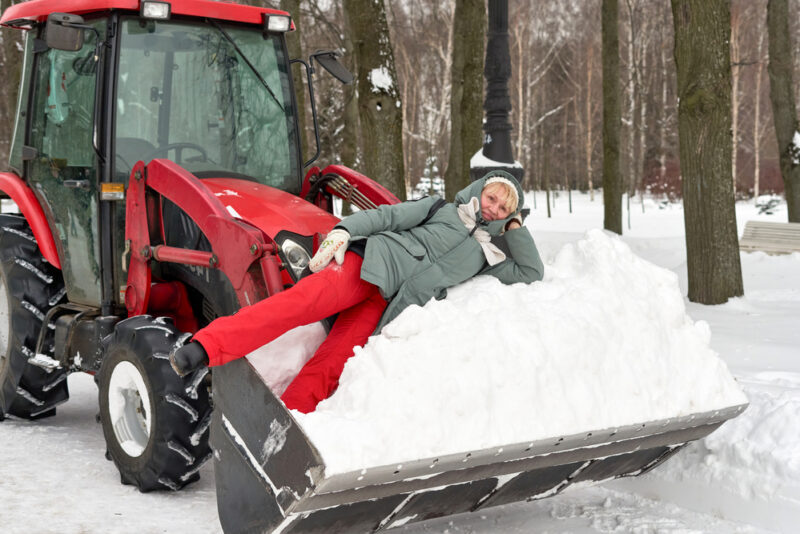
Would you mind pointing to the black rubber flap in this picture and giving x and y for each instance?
(353, 518)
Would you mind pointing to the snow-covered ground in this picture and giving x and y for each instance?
(743, 478)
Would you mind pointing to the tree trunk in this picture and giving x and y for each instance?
(702, 58)
(612, 180)
(352, 132)
(379, 106)
(589, 122)
(735, 75)
(294, 44)
(757, 118)
(643, 109)
(663, 115)
(466, 101)
(781, 94)
(11, 61)
(518, 41)
(631, 119)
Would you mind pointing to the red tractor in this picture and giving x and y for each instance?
(112, 262)
(157, 170)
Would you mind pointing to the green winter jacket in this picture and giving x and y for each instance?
(412, 262)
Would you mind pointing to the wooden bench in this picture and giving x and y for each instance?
(770, 237)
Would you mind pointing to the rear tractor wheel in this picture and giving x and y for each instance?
(155, 423)
(30, 385)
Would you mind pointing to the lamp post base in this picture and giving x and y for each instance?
(476, 173)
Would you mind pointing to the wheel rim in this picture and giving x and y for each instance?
(5, 322)
(129, 408)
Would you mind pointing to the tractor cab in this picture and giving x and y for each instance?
(214, 98)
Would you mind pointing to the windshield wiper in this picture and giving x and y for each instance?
(246, 60)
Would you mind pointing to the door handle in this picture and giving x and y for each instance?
(76, 184)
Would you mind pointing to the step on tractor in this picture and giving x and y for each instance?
(159, 183)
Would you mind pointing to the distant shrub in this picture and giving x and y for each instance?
(668, 185)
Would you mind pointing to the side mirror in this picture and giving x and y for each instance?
(61, 34)
(328, 60)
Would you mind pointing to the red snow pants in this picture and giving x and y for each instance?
(335, 289)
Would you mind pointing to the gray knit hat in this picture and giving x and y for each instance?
(504, 178)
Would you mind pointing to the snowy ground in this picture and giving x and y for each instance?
(743, 478)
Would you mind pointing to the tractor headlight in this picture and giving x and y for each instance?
(150, 9)
(296, 256)
(278, 23)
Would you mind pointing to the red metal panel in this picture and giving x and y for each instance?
(39, 9)
(13, 186)
(268, 208)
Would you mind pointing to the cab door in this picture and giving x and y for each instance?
(64, 171)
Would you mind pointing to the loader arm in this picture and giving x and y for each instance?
(236, 246)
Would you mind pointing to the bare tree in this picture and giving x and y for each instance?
(466, 97)
(294, 44)
(612, 179)
(737, 15)
(784, 113)
(663, 118)
(702, 58)
(380, 108)
(587, 121)
(639, 78)
(424, 55)
(536, 35)
(757, 127)
(350, 141)
(556, 53)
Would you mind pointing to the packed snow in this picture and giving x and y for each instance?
(794, 149)
(381, 80)
(478, 160)
(742, 478)
(602, 342)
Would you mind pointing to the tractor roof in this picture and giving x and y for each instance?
(24, 14)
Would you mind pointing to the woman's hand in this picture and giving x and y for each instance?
(514, 223)
(334, 246)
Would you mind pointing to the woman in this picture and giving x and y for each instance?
(386, 260)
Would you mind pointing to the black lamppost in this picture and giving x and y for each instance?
(497, 152)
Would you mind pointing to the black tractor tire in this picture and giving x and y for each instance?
(155, 423)
(29, 287)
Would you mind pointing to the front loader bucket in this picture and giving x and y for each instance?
(270, 477)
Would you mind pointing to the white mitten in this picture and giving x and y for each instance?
(334, 246)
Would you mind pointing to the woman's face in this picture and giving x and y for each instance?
(493, 204)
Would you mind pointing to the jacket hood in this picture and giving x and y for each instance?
(474, 190)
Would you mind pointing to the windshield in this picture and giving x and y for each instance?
(187, 94)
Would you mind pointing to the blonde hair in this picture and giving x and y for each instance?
(510, 190)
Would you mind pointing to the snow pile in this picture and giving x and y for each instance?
(602, 341)
(765, 440)
(753, 462)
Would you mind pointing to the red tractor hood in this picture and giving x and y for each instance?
(269, 209)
